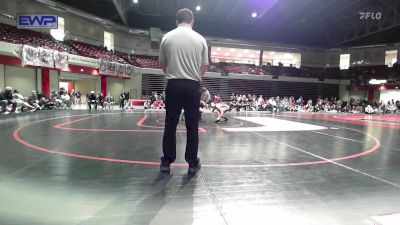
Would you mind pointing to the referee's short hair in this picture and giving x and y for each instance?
(184, 16)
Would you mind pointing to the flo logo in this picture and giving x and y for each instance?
(370, 15)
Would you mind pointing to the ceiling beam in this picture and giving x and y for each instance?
(364, 28)
(233, 9)
(119, 6)
(217, 8)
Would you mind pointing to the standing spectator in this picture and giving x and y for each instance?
(72, 95)
(78, 97)
(204, 99)
(122, 99)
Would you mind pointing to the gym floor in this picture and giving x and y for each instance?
(102, 168)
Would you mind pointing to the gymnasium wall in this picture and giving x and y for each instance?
(134, 85)
(358, 94)
(22, 79)
(2, 83)
(369, 55)
(54, 80)
(114, 86)
(313, 58)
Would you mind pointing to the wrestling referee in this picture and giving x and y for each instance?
(184, 59)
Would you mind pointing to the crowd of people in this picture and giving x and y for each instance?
(334, 105)
(157, 101)
(12, 101)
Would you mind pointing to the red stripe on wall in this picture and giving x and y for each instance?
(371, 95)
(82, 69)
(104, 85)
(46, 81)
(10, 60)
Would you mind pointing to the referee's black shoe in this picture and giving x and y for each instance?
(194, 169)
(165, 168)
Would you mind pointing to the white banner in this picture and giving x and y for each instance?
(129, 71)
(30, 56)
(82, 61)
(61, 60)
(115, 68)
(46, 58)
(43, 57)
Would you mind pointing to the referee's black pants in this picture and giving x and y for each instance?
(182, 93)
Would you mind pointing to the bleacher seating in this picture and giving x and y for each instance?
(241, 68)
(92, 51)
(214, 67)
(28, 37)
(146, 61)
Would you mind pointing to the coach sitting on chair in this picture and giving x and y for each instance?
(92, 100)
(184, 59)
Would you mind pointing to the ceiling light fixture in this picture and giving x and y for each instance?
(198, 8)
(254, 15)
(135, 1)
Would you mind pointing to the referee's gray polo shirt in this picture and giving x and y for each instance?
(183, 51)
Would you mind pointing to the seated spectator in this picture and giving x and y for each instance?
(109, 101)
(369, 110)
(66, 100)
(391, 107)
(92, 100)
(6, 99)
(158, 105)
(101, 100)
(33, 100)
(147, 105)
(21, 103)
